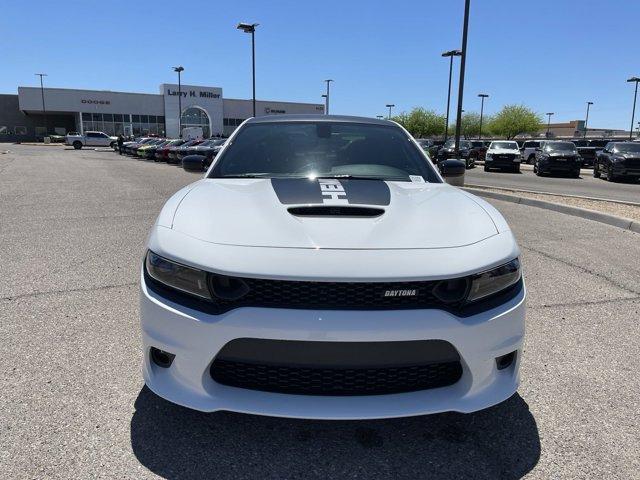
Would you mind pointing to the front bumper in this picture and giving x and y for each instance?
(195, 338)
(502, 161)
(552, 165)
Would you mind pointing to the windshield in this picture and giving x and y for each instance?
(628, 147)
(463, 144)
(504, 145)
(322, 149)
(560, 147)
(531, 144)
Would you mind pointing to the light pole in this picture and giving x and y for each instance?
(586, 119)
(548, 114)
(390, 106)
(463, 63)
(44, 110)
(450, 54)
(482, 97)
(326, 101)
(179, 70)
(633, 111)
(251, 28)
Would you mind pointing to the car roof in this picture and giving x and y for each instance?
(319, 118)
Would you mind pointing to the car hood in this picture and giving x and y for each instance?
(255, 212)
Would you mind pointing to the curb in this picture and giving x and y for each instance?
(620, 222)
(538, 192)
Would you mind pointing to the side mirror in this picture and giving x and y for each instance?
(453, 171)
(193, 163)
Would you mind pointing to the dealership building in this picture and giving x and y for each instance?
(22, 117)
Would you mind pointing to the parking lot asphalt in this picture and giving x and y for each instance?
(73, 404)
(586, 185)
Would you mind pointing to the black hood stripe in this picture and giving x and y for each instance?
(331, 191)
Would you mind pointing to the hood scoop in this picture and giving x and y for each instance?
(335, 211)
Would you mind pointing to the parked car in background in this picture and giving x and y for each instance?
(586, 150)
(478, 149)
(424, 143)
(618, 160)
(448, 151)
(172, 155)
(130, 147)
(149, 150)
(503, 154)
(435, 148)
(162, 152)
(557, 157)
(90, 139)
(528, 151)
(139, 151)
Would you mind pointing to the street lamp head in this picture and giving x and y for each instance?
(324, 95)
(41, 74)
(550, 113)
(634, 79)
(329, 80)
(247, 27)
(589, 103)
(483, 95)
(382, 116)
(178, 69)
(388, 105)
(452, 53)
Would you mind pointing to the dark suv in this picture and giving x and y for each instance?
(478, 149)
(448, 150)
(557, 157)
(618, 159)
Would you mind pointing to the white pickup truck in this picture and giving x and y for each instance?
(90, 139)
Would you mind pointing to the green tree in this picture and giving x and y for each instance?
(514, 120)
(421, 122)
(471, 125)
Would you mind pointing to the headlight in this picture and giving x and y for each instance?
(489, 156)
(175, 275)
(493, 281)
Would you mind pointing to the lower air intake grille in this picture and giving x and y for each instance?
(343, 372)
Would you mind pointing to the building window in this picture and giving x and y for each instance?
(20, 130)
(196, 117)
(41, 131)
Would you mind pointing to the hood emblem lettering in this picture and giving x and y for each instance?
(332, 192)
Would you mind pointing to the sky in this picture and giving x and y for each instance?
(551, 55)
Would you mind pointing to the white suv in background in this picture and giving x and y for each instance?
(529, 151)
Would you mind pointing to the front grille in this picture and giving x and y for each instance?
(333, 295)
(336, 368)
(632, 162)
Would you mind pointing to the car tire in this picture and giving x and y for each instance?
(516, 169)
(486, 169)
(576, 174)
(531, 160)
(112, 145)
(77, 145)
(596, 172)
(610, 176)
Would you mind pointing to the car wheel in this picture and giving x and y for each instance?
(610, 176)
(112, 145)
(596, 172)
(516, 168)
(486, 169)
(77, 145)
(576, 174)
(531, 160)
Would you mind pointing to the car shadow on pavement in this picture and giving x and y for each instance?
(178, 443)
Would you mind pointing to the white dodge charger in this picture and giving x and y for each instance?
(322, 268)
